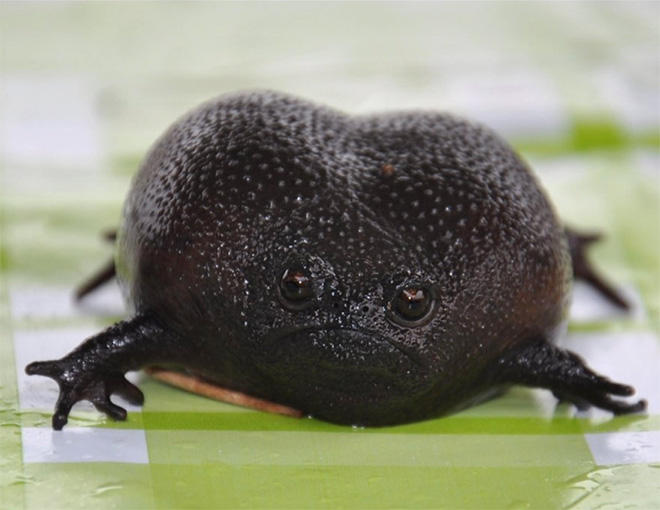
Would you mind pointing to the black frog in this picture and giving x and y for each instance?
(365, 270)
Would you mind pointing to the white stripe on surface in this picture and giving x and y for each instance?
(84, 445)
(614, 448)
(49, 302)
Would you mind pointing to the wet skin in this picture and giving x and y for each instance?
(366, 270)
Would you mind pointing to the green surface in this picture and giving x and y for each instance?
(132, 68)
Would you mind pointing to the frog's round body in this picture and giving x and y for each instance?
(365, 270)
(245, 187)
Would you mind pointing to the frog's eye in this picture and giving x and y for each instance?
(295, 289)
(411, 306)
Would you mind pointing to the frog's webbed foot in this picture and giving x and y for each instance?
(583, 270)
(95, 370)
(542, 364)
(77, 382)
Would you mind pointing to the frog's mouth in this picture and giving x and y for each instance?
(344, 375)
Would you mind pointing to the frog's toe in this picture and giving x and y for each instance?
(104, 405)
(128, 391)
(56, 370)
(601, 396)
(624, 408)
(580, 403)
(62, 409)
(604, 385)
(50, 369)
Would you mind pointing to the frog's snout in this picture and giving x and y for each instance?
(341, 349)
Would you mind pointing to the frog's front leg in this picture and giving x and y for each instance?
(95, 369)
(544, 365)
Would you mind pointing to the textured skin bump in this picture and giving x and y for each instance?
(251, 184)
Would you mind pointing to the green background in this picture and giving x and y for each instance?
(142, 64)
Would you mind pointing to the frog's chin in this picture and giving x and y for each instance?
(344, 375)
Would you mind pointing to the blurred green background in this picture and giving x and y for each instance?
(86, 87)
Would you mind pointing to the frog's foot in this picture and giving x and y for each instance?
(600, 395)
(80, 381)
(583, 269)
(544, 365)
(95, 369)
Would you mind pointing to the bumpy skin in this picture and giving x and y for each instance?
(249, 186)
